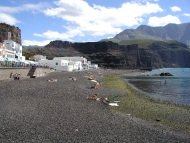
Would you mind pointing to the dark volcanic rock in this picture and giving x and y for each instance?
(112, 55)
(166, 74)
(15, 33)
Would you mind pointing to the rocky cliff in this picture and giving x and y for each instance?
(15, 33)
(154, 54)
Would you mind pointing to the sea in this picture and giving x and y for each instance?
(175, 89)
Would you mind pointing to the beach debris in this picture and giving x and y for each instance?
(95, 97)
(116, 101)
(158, 120)
(113, 104)
(52, 80)
(76, 130)
(107, 102)
(73, 78)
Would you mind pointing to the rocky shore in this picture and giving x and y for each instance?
(55, 109)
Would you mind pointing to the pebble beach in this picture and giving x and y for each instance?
(36, 110)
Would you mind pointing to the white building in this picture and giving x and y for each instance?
(93, 66)
(74, 59)
(66, 63)
(1, 52)
(11, 51)
(38, 58)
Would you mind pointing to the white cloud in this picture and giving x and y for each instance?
(6, 18)
(34, 42)
(7, 13)
(84, 19)
(54, 35)
(25, 7)
(162, 21)
(175, 9)
(98, 20)
(187, 14)
(142, 1)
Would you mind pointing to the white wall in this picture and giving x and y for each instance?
(60, 64)
(13, 47)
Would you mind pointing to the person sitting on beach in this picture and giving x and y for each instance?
(11, 75)
(16, 76)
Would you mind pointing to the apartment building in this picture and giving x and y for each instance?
(11, 51)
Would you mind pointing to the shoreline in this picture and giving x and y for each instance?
(144, 76)
(148, 102)
(157, 100)
(147, 95)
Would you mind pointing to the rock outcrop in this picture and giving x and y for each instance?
(14, 31)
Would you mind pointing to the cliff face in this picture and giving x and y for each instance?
(112, 55)
(15, 33)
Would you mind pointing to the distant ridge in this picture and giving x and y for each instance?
(178, 32)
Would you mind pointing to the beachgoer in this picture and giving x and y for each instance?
(11, 75)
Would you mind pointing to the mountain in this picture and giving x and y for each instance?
(131, 54)
(15, 33)
(141, 48)
(177, 32)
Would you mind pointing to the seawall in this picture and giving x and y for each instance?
(5, 72)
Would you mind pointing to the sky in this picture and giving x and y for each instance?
(42, 21)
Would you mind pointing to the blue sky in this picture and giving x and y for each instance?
(42, 21)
